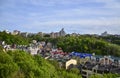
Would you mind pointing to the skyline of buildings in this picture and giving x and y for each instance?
(54, 34)
(69, 30)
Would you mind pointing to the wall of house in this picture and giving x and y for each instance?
(72, 61)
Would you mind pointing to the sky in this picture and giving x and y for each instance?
(75, 16)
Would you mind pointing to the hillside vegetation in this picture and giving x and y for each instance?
(19, 64)
(13, 39)
(89, 45)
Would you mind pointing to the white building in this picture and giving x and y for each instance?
(33, 51)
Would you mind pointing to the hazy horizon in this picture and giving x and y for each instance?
(75, 16)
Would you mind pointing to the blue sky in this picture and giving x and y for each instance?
(79, 16)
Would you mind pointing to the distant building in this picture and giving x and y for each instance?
(24, 34)
(74, 34)
(62, 32)
(6, 31)
(41, 34)
(58, 34)
(104, 34)
(116, 35)
(30, 34)
(15, 32)
(52, 35)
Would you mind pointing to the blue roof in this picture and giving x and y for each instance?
(81, 55)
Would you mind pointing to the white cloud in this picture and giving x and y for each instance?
(82, 22)
(104, 15)
(110, 3)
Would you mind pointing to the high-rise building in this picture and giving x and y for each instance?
(62, 32)
(104, 34)
(58, 34)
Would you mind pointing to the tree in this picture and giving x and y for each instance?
(7, 67)
(88, 45)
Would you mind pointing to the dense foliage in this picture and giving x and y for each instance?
(19, 64)
(112, 39)
(89, 45)
(13, 39)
